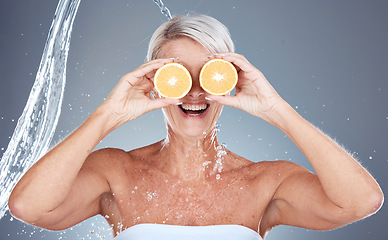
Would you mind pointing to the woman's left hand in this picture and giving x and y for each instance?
(254, 94)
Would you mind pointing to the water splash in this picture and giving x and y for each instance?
(163, 9)
(36, 125)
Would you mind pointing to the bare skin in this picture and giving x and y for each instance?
(188, 178)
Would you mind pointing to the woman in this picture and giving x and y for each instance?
(188, 178)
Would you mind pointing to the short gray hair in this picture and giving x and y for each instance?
(206, 30)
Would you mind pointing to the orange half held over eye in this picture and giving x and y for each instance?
(218, 77)
(172, 80)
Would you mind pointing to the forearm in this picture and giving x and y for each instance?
(47, 183)
(346, 183)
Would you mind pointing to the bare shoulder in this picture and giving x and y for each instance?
(144, 152)
(106, 161)
(276, 172)
(278, 168)
(105, 155)
(265, 177)
(113, 162)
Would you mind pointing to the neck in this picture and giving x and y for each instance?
(192, 159)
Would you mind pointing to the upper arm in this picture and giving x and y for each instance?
(83, 200)
(301, 201)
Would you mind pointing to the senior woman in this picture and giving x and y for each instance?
(188, 184)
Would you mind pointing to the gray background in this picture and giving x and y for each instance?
(328, 59)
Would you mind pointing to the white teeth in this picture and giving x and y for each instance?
(196, 107)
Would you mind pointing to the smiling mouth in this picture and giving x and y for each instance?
(194, 109)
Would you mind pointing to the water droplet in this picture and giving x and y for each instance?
(218, 176)
(206, 163)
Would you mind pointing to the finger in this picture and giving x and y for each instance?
(146, 85)
(219, 55)
(151, 75)
(238, 60)
(146, 69)
(227, 100)
(162, 102)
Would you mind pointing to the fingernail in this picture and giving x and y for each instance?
(178, 103)
(208, 99)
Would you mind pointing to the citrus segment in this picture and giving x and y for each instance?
(218, 77)
(172, 80)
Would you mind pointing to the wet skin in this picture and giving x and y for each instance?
(144, 192)
(188, 178)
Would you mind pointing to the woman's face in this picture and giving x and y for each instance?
(196, 116)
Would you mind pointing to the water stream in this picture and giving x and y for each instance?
(37, 124)
(163, 9)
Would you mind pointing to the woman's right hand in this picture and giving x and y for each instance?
(131, 96)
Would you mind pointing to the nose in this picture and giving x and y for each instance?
(196, 90)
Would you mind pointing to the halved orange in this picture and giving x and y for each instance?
(172, 80)
(218, 77)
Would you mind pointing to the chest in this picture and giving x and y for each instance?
(222, 201)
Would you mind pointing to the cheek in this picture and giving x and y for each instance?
(216, 111)
(168, 113)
